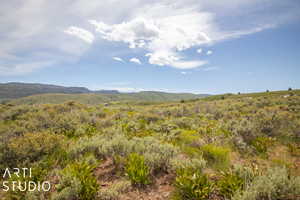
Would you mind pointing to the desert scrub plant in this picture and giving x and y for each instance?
(187, 137)
(234, 180)
(262, 144)
(192, 185)
(77, 181)
(294, 149)
(245, 128)
(215, 155)
(15, 112)
(113, 191)
(85, 130)
(157, 155)
(229, 183)
(178, 163)
(184, 122)
(137, 170)
(275, 184)
(33, 146)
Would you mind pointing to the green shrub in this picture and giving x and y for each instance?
(137, 171)
(190, 184)
(192, 164)
(33, 146)
(77, 181)
(157, 155)
(275, 184)
(218, 156)
(262, 144)
(113, 191)
(294, 149)
(229, 183)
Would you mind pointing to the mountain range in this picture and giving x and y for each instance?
(46, 93)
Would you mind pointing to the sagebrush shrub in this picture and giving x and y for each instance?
(114, 190)
(33, 146)
(178, 163)
(157, 155)
(275, 184)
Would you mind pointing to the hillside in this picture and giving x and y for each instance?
(16, 90)
(93, 99)
(42, 93)
(235, 147)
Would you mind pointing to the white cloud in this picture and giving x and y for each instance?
(22, 68)
(118, 59)
(209, 52)
(199, 51)
(189, 64)
(80, 33)
(135, 60)
(165, 31)
(163, 28)
(162, 37)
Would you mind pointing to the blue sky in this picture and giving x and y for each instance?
(169, 45)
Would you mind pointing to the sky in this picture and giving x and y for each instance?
(207, 46)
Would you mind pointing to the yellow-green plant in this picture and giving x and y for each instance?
(136, 170)
(192, 184)
(229, 183)
(77, 181)
(216, 155)
(262, 144)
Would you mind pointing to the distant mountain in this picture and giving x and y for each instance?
(16, 90)
(34, 93)
(106, 92)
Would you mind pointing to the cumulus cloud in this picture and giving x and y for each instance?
(166, 31)
(209, 52)
(118, 59)
(170, 58)
(135, 60)
(80, 33)
(164, 38)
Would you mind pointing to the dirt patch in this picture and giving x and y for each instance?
(161, 189)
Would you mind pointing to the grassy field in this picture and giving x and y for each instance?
(239, 147)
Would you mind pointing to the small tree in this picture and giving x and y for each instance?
(290, 89)
(267, 91)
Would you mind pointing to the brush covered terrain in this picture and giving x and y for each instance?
(239, 147)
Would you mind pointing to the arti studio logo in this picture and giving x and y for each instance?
(22, 173)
